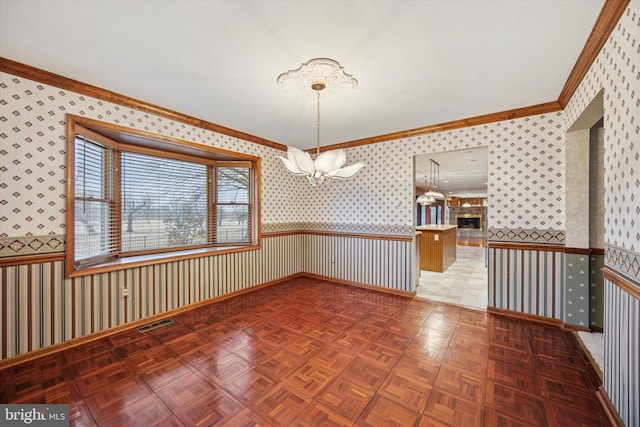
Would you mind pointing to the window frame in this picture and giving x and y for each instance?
(136, 141)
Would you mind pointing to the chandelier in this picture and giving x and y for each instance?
(318, 74)
(431, 192)
(425, 199)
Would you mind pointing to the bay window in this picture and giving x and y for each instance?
(134, 198)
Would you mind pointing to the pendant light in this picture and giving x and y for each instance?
(318, 74)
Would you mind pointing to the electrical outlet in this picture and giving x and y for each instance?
(125, 292)
(436, 237)
(333, 260)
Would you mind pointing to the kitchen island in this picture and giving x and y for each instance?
(437, 245)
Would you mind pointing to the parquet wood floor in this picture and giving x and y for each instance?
(313, 353)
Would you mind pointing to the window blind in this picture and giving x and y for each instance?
(232, 209)
(164, 202)
(95, 207)
(140, 198)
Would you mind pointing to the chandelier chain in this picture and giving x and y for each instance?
(318, 124)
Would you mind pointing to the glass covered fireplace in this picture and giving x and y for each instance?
(469, 222)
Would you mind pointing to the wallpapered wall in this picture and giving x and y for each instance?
(526, 173)
(33, 155)
(526, 176)
(616, 71)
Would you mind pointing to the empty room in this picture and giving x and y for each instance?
(320, 213)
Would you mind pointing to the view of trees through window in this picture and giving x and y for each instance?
(132, 202)
(232, 213)
(164, 202)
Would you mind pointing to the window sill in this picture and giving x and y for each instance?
(151, 259)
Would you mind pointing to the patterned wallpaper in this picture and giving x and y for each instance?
(526, 171)
(32, 160)
(526, 178)
(526, 165)
(616, 70)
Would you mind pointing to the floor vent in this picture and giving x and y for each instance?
(154, 325)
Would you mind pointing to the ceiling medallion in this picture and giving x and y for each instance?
(324, 70)
(319, 74)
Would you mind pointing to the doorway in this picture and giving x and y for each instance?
(461, 178)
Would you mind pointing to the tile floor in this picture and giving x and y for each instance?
(464, 283)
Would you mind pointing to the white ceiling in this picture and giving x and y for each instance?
(418, 63)
(460, 173)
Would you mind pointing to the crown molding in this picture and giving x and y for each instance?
(517, 113)
(46, 77)
(602, 29)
